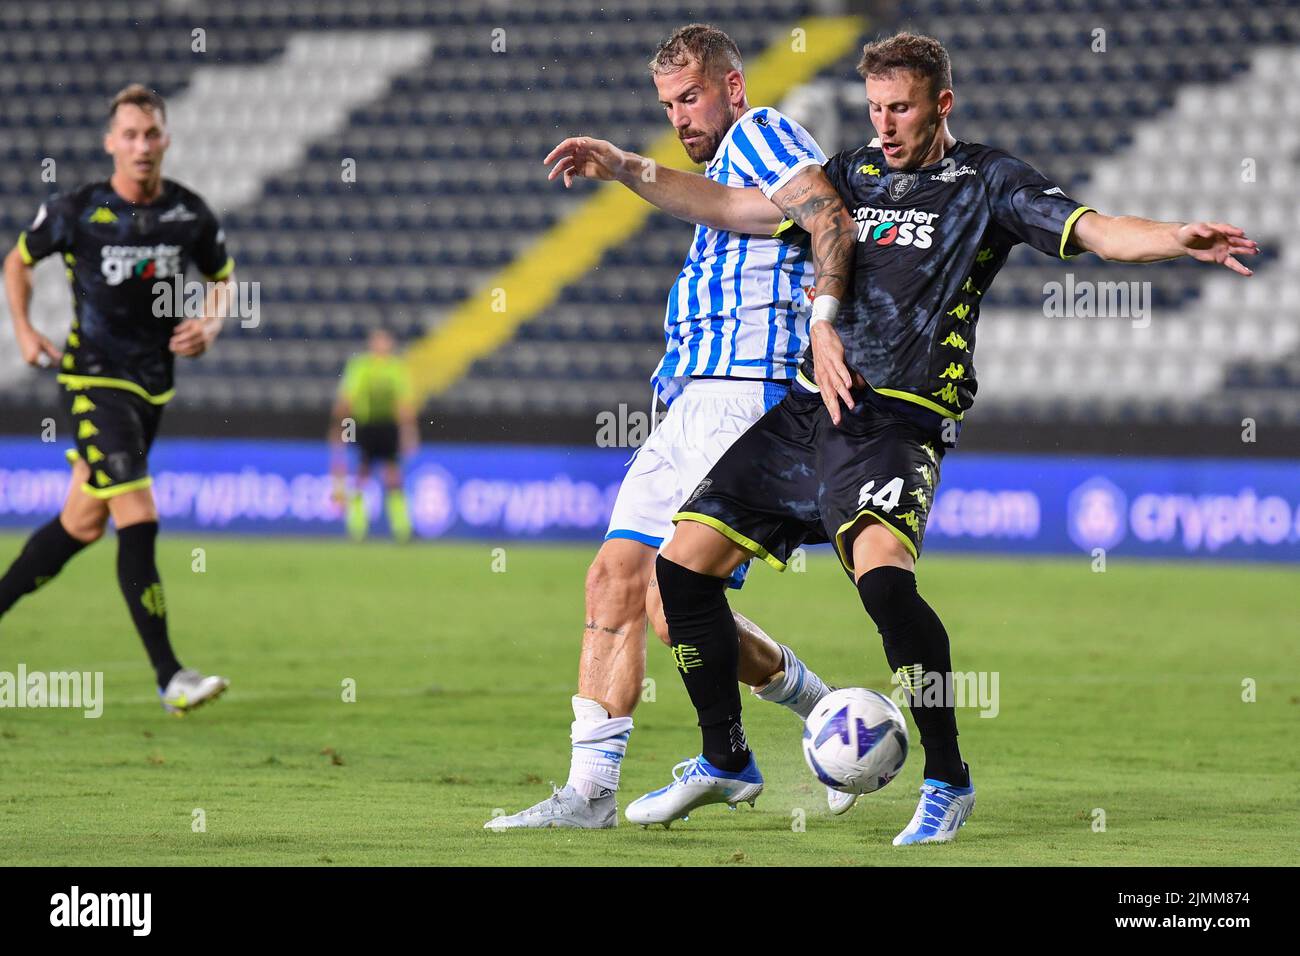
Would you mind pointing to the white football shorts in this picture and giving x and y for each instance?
(701, 424)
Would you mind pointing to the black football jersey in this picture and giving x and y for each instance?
(116, 252)
(930, 240)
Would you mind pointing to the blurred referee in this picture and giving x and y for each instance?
(375, 409)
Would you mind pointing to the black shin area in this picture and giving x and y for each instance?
(43, 556)
(705, 650)
(916, 646)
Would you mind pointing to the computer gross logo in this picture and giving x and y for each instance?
(896, 227)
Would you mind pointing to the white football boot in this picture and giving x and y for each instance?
(189, 689)
(839, 801)
(564, 808)
(696, 782)
(943, 811)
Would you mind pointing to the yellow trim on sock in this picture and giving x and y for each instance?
(753, 547)
(572, 247)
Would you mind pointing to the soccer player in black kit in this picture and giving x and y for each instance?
(936, 220)
(119, 238)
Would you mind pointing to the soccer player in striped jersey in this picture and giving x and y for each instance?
(118, 238)
(736, 323)
(937, 218)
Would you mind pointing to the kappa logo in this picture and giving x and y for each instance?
(869, 169)
(103, 215)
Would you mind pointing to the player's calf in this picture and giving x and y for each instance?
(916, 644)
(706, 652)
(43, 556)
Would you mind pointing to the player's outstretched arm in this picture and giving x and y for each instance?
(686, 196)
(1133, 239)
(35, 348)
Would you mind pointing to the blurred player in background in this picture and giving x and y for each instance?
(118, 238)
(937, 219)
(376, 395)
(736, 323)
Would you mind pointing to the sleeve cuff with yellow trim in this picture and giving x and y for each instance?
(224, 271)
(1069, 228)
(22, 250)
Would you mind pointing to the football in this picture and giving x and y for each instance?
(855, 740)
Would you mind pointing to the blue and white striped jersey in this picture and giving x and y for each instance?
(738, 308)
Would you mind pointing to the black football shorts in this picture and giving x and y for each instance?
(377, 443)
(795, 478)
(114, 430)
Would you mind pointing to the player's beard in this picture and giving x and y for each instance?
(704, 148)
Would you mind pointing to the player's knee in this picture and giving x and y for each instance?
(612, 591)
(84, 527)
(686, 594)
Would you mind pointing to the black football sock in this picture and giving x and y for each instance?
(706, 651)
(43, 556)
(137, 575)
(916, 646)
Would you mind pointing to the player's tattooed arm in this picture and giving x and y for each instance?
(687, 196)
(810, 201)
(1134, 239)
(813, 204)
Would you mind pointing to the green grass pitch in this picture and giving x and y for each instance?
(1120, 692)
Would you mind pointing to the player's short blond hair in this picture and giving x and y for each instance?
(922, 55)
(699, 43)
(137, 94)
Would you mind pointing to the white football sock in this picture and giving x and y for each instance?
(795, 686)
(599, 743)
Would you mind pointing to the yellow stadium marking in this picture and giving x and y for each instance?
(573, 246)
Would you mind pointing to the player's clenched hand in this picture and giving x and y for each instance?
(1217, 242)
(36, 349)
(586, 157)
(190, 338)
(833, 378)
